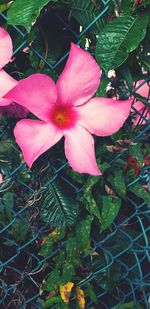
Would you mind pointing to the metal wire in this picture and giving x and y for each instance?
(128, 289)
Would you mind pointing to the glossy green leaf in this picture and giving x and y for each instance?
(59, 207)
(110, 210)
(118, 39)
(86, 12)
(25, 12)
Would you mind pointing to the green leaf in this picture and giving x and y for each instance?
(101, 92)
(87, 198)
(59, 206)
(110, 210)
(4, 6)
(53, 281)
(91, 293)
(8, 200)
(126, 6)
(85, 12)
(68, 272)
(120, 185)
(22, 225)
(118, 39)
(137, 152)
(51, 301)
(6, 147)
(139, 191)
(72, 251)
(53, 237)
(25, 12)
(107, 276)
(127, 76)
(83, 233)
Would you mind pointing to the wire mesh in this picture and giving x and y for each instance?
(21, 265)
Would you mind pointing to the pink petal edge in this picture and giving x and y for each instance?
(79, 150)
(102, 116)
(37, 93)
(6, 83)
(6, 48)
(34, 137)
(79, 79)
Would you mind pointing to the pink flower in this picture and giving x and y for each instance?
(6, 50)
(139, 106)
(66, 109)
(1, 178)
(6, 81)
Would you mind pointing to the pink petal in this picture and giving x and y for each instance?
(6, 83)
(139, 106)
(35, 137)
(79, 79)
(102, 116)
(6, 48)
(143, 90)
(79, 150)
(37, 93)
(1, 178)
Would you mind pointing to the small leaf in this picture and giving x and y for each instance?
(80, 298)
(65, 291)
(118, 39)
(110, 210)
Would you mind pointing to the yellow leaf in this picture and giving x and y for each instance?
(65, 291)
(80, 298)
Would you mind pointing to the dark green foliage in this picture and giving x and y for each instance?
(58, 207)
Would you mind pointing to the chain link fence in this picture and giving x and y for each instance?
(22, 269)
